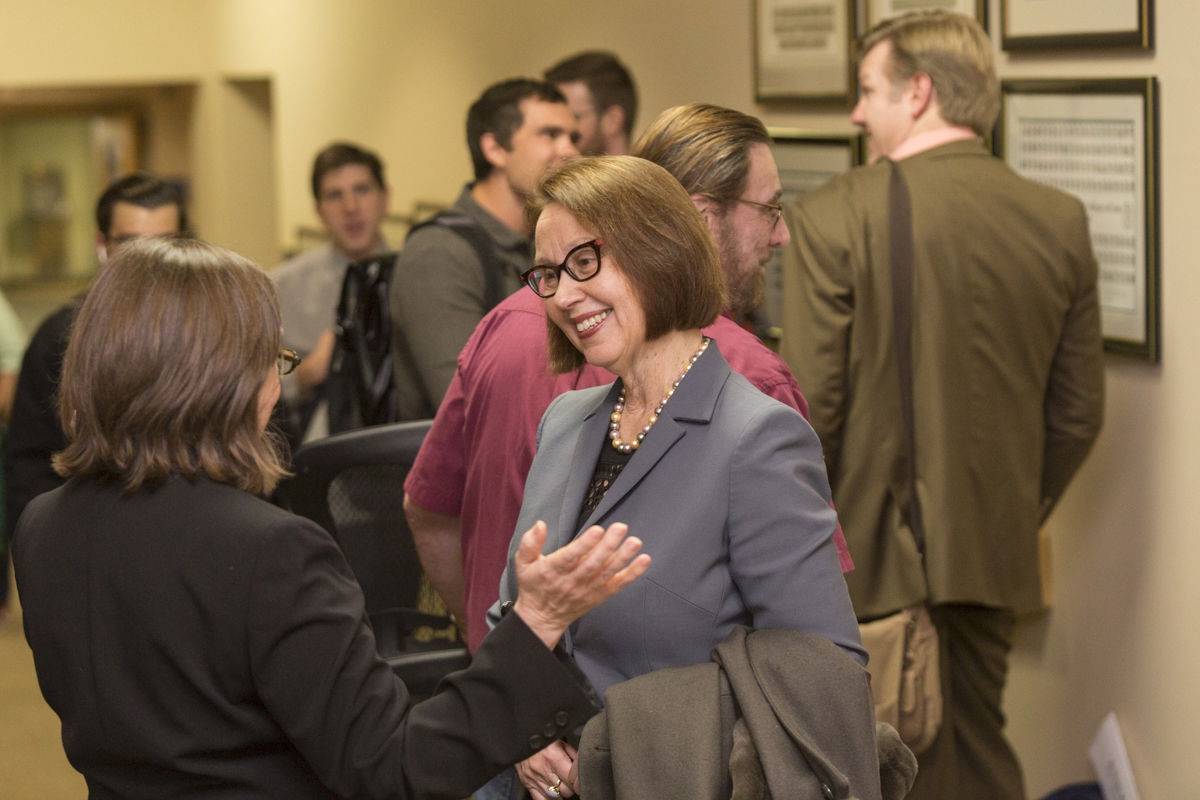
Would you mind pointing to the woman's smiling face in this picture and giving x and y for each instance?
(601, 316)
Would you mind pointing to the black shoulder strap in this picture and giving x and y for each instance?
(901, 245)
(364, 337)
(481, 243)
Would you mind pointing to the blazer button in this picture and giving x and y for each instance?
(549, 731)
(536, 742)
(561, 719)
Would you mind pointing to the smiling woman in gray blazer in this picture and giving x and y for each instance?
(726, 487)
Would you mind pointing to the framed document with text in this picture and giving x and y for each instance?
(879, 10)
(1098, 140)
(1043, 25)
(806, 159)
(803, 50)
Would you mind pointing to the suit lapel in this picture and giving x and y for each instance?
(693, 402)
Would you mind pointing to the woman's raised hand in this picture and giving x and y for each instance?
(558, 588)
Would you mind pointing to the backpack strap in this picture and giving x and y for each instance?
(361, 388)
(473, 234)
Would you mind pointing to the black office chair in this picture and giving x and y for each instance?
(352, 485)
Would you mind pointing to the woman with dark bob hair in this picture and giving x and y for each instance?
(726, 487)
(196, 640)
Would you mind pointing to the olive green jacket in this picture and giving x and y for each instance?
(1007, 369)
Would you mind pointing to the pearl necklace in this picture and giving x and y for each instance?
(614, 426)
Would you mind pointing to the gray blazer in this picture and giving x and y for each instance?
(730, 496)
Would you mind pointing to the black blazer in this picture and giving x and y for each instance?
(34, 430)
(196, 640)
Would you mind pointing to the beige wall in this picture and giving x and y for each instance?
(398, 75)
(1121, 636)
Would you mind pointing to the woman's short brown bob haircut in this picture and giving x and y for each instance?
(651, 232)
(164, 366)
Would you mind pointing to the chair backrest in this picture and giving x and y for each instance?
(352, 484)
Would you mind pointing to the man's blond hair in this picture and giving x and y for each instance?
(956, 54)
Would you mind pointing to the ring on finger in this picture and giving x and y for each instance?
(552, 789)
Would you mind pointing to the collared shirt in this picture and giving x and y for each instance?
(931, 139)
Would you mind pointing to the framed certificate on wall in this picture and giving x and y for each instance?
(806, 159)
(803, 50)
(1098, 140)
(879, 10)
(1042, 25)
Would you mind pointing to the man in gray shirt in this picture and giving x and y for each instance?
(452, 272)
(351, 201)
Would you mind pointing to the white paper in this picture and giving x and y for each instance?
(1093, 146)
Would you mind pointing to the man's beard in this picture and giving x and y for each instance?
(745, 288)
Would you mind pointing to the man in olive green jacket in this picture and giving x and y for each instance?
(1007, 371)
